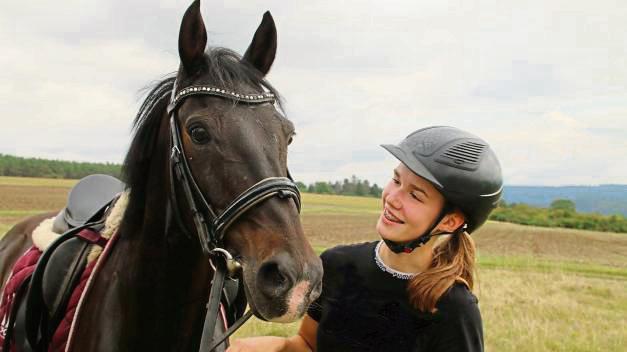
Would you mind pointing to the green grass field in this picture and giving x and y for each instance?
(540, 289)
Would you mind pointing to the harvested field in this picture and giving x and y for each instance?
(540, 289)
(506, 239)
(533, 311)
(331, 229)
(22, 197)
(31, 195)
(36, 181)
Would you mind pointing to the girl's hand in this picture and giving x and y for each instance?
(258, 344)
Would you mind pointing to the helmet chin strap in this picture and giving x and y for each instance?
(408, 247)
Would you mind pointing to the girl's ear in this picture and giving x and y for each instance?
(452, 221)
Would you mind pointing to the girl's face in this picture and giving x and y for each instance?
(410, 206)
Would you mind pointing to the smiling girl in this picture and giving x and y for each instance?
(412, 290)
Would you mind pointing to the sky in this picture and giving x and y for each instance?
(544, 82)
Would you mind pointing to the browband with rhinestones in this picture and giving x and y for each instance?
(256, 98)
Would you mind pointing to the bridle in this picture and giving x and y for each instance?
(211, 232)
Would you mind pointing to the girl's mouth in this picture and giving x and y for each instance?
(390, 217)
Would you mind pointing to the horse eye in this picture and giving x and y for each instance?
(289, 141)
(199, 134)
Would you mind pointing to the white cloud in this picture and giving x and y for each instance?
(544, 82)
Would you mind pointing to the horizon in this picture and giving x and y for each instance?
(329, 181)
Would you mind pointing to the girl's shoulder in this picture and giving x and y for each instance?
(458, 300)
(459, 322)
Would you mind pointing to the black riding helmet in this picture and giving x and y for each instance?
(460, 165)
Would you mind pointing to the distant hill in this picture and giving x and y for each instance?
(604, 199)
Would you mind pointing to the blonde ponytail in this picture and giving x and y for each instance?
(453, 261)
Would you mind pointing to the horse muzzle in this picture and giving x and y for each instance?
(284, 288)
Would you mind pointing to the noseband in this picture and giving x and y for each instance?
(211, 233)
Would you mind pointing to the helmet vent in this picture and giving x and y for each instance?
(465, 155)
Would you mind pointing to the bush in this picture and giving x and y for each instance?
(560, 214)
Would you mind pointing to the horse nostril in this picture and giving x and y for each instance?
(271, 274)
(274, 281)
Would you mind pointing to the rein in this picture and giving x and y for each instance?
(211, 231)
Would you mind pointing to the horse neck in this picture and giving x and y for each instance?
(168, 275)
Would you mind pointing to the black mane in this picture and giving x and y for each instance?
(223, 67)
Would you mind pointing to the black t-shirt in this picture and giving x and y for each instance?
(364, 308)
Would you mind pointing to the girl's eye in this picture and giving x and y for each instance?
(396, 181)
(199, 134)
(413, 195)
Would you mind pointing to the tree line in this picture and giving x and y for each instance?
(561, 213)
(348, 187)
(35, 167)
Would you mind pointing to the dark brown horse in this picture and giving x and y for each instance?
(151, 293)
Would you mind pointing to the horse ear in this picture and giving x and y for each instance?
(192, 37)
(262, 49)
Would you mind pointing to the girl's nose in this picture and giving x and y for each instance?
(393, 200)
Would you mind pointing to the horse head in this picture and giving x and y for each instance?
(234, 138)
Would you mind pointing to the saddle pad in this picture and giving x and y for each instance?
(22, 270)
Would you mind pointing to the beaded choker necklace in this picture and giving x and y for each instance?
(397, 274)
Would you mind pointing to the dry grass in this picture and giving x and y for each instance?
(24, 196)
(332, 229)
(319, 203)
(32, 197)
(531, 311)
(32, 194)
(506, 239)
(36, 181)
(540, 289)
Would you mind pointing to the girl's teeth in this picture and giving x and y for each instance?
(391, 217)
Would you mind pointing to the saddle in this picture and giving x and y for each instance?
(46, 293)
